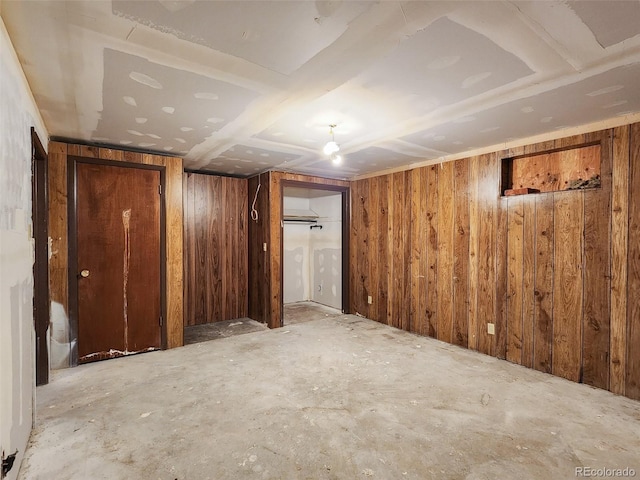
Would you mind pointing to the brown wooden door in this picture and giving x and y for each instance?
(118, 260)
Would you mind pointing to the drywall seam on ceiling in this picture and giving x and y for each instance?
(565, 33)
(543, 137)
(486, 101)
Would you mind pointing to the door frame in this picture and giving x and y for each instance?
(345, 192)
(40, 225)
(72, 232)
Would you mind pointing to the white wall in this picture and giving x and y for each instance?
(296, 266)
(18, 113)
(326, 251)
(313, 257)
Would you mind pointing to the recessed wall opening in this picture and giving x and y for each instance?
(312, 240)
(574, 168)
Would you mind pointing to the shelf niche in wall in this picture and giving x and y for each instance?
(573, 168)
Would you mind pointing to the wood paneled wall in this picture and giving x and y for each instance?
(265, 282)
(215, 248)
(557, 274)
(58, 226)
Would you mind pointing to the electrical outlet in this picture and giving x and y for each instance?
(491, 328)
(370, 299)
(264, 247)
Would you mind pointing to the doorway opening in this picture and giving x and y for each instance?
(313, 252)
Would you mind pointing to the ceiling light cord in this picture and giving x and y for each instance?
(254, 212)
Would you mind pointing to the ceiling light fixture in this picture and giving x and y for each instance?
(331, 147)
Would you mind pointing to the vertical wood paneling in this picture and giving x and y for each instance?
(500, 340)
(487, 207)
(190, 291)
(174, 260)
(619, 251)
(515, 229)
(406, 238)
(418, 200)
(461, 254)
(474, 226)
(398, 276)
(364, 215)
(432, 250)
(632, 387)
(563, 288)
(215, 258)
(258, 267)
(567, 288)
(543, 290)
(597, 274)
(374, 238)
(58, 226)
(217, 219)
(383, 254)
(446, 218)
(528, 280)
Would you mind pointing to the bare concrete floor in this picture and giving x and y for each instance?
(217, 330)
(335, 398)
(299, 312)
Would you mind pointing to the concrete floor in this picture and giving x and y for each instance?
(299, 312)
(217, 330)
(334, 398)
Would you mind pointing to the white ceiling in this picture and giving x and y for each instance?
(240, 87)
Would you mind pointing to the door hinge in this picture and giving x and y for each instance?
(160, 189)
(160, 320)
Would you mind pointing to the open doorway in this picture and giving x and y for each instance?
(313, 253)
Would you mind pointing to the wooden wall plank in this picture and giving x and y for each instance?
(474, 226)
(354, 247)
(58, 226)
(500, 337)
(399, 278)
(417, 260)
(174, 267)
(488, 212)
(374, 237)
(422, 253)
(383, 253)
(597, 273)
(406, 238)
(431, 213)
(202, 305)
(632, 387)
(619, 251)
(257, 272)
(365, 213)
(242, 248)
(190, 284)
(445, 251)
(543, 288)
(567, 288)
(528, 280)
(461, 254)
(515, 229)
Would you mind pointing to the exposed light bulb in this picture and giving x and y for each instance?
(336, 159)
(331, 147)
